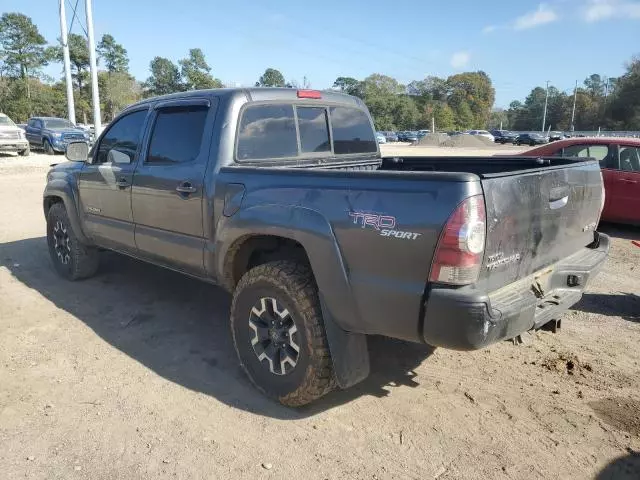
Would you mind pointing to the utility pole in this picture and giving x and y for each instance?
(544, 114)
(573, 111)
(67, 63)
(94, 69)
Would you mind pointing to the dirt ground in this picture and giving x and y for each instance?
(132, 374)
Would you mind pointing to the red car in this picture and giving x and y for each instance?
(620, 162)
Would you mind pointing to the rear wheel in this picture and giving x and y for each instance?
(25, 152)
(48, 149)
(71, 259)
(279, 335)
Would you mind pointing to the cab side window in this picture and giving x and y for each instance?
(120, 143)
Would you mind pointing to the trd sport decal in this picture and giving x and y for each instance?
(385, 225)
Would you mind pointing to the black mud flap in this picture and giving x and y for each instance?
(349, 352)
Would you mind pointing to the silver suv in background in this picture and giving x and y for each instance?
(12, 138)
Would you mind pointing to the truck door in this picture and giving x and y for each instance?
(168, 185)
(625, 203)
(105, 183)
(33, 132)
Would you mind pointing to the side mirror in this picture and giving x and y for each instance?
(116, 156)
(77, 151)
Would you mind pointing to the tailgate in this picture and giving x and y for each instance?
(536, 218)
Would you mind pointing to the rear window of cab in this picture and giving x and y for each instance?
(271, 131)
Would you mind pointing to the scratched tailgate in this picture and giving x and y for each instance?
(538, 217)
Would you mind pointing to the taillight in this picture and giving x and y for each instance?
(309, 94)
(458, 256)
(603, 196)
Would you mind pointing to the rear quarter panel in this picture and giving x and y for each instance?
(372, 281)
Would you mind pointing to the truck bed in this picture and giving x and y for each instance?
(484, 167)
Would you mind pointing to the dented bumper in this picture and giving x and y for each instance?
(467, 319)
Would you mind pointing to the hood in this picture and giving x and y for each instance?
(66, 166)
(65, 130)
(10, 128)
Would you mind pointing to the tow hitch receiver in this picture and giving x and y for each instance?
(552, 326)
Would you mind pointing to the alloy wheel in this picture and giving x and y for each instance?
(61, 242)
(274, 336)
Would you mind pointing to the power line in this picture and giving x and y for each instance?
(75, 8)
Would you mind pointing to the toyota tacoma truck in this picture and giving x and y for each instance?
(53, 134)
(281, 196)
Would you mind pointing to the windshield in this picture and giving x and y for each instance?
(58, 123)
(6, 121)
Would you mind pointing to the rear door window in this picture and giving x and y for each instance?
(352, 132)
(599, 152)
(267, 131)
(630, 159)
(577, 151)
(177, 135)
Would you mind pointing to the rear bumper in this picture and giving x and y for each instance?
(463, 319)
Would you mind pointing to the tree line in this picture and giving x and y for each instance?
(600, 102)
(459, 102)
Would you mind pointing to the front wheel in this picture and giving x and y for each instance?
(71, 259)
(25, 152)
(48, 149)
(279, 334)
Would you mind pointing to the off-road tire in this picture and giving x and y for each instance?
(25, 152)
(293, 285)
(83, 260)
(47, 147)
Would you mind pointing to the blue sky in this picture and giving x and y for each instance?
(519, 44)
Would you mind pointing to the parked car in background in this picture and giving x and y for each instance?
(619, 159)
(12, 138)
(504, 136)
(408, 136)
(530, 139)
(390, 136)
(423, 132)
(53, 134)
(555, 136)
(380, 138)
(482, 133)
(90, 129)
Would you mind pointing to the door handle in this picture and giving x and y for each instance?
(561, 202)
(122, 182)
(186, 188)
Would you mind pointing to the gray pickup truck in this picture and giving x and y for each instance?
(281, 196)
